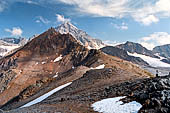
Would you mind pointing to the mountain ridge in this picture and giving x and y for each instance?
(136, 48)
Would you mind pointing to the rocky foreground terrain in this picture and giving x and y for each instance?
(152, 93)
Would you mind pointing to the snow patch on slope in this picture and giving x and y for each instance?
(55, 76)
(155, 62)
(114, 105)
(43, 62)
(41, 98)
(98, 67)
(58, 58)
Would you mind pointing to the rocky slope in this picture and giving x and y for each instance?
(53, 59)
(80, 35)
(114, 51)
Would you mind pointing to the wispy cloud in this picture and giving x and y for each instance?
(155, 39)
(42, 19)
(60, 18)
(122, 26)
(111, 43)
(108, 8)
(15, 31)
(31, 2)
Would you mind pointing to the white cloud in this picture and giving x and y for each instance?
(146, 20)
(145, 11)
(111, 43)
(122, 26)
(60, 18)
(155, 39)
(15, 31)
(107, 8)
(42, 19)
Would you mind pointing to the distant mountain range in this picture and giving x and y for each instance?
(9, 44)
(136, 48)
(161, 53)
(19, 41)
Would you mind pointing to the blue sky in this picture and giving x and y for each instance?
(143, 21)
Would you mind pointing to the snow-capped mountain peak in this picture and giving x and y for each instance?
(66, 28)
(80, 35)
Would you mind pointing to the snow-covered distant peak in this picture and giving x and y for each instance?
(67, 27)
(80, 35)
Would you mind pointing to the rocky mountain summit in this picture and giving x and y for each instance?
(80, 36)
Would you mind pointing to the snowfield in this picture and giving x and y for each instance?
(58, 58)
(8, 48)
(155, 62)
(114, 105)
(98, 67)
(41, 98)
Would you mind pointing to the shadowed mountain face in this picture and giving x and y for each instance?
(163, 51)
(114, 51)
(31, 71)
(136, 48)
